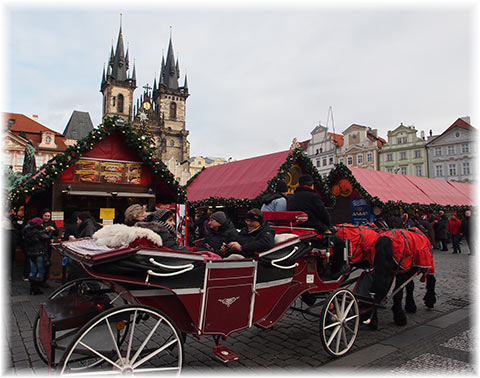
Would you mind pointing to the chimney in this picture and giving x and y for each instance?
(466, 119)
(35, 117)
(422, 134)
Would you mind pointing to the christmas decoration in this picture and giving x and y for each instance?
(48, 172)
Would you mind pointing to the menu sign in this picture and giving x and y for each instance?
(108, 172)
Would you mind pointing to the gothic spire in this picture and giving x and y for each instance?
(119, 66)
(170, 72)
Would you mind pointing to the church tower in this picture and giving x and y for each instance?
(162, 111)
(117, 87)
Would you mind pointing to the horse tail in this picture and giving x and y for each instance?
(384, 266)
(430, 296)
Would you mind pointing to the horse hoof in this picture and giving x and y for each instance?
(400, 319)
(411, 308)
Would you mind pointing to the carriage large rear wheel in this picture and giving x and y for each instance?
(339, 322)
(151, 344)
(86, 286)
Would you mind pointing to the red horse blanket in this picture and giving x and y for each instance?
(409, 247)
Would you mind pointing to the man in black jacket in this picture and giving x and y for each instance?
(306, 199)
(257, 236)
(220, 232)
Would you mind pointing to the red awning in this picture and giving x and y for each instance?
(411, 189)
(242, 179)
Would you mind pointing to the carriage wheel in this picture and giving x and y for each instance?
(152, 344)
(339, 322)
(82, 285)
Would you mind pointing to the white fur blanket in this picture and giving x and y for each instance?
(118, 235)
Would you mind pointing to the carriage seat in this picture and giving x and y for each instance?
(287, 249)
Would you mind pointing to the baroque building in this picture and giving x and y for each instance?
(451, 155)
(160, 112)
(404, 152)
(360, 147)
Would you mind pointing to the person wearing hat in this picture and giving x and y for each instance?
(453, 228)
(306, 199)
(134, 213)
(36, 240)
(220, 232)
(276, 201)
(257, 236)
(162, 222)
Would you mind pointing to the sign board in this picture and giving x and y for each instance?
(58, 218)
(107, 213)
(360, 211)
(110, 172)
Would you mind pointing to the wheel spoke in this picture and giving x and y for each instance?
(344, 298)
(332, 336)
(331, 325)
(100, 355)
(154, 353)
(344, 336)
(147, 339)
(349, 308)
(130, 339)
(351, 318)
(114, 341)
(337, 306)
(339, 338)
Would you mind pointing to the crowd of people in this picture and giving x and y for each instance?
(215, 232)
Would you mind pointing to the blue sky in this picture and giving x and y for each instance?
(259, 75)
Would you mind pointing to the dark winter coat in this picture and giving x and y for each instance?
(87, 228)
(394, 221)
(259, 240)
(225, 234)
(55, 229)
(427, 229)
(442, 228)
(169, 240)
(36, 240)
(309, 201)
(466, 228)
(70, 229)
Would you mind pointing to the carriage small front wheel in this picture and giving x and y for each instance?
(339, 322)
(132, 339)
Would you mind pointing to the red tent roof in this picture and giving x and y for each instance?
(411, 189)
(242, 179)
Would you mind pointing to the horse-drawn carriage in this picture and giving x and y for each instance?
(133, 312)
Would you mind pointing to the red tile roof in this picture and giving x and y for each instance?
(32, 130)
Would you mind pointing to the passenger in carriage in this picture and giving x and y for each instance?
(257, 236)
(276, 201)
(134, 213)
(220, 232)
(162, 222)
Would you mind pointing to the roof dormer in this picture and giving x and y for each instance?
(48, 140)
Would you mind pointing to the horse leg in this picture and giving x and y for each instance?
(430, 297)
(399, 316)
(410, 305)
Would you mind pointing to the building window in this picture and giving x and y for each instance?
(19, 160)
(466, 168)
(341, 160)
(38, 160)
(403, 155)
(399, 140)
(354, 137)
(359, 158)
(173, 110)
(403, 170)
(389, 157)
(324, 161)
(113, 101)
(390, 170)
(330, 160)
(369, 157)
(7, 159)
(438, 151)
(452, 169)
(465, 148)
(48, 139)
(418, 170)
(120, 104)
(318, 163)
(418, 154)
(349, 160)
(439, 171)
(450, 150)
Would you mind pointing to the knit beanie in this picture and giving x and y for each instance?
(219, 216)
(255, 214)
(160, 215)
(305, 180)
(36, 221)
(133, 212)
(282, 187)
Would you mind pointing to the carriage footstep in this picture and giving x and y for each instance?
(224, 354)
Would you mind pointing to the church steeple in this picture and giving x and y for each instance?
(119, 64)
(170, 72)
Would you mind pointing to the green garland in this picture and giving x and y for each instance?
(50, 171)
(340, 170)
(296, 156)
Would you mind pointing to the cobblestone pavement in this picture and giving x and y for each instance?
(293, 344)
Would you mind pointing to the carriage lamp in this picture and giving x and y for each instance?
(120, 325)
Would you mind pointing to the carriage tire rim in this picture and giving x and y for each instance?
(153, 342)
(339, 322)
(61, 290)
